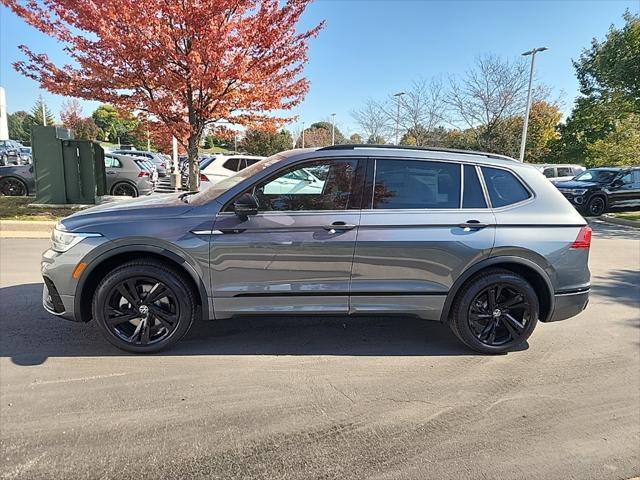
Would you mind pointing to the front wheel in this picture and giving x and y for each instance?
(143, 306)
(495, 312)
(596, 206)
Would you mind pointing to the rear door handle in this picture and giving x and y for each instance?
(335, 226)
(473, 225)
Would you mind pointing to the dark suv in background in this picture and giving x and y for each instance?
(480, 242)
(596, 190)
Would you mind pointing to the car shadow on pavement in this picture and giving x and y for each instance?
(30, 335)
(610, 231)
(622, 286)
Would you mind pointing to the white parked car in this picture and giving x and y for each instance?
(224, 166)
(560, 172)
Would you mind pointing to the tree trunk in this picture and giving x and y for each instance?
(194, 165)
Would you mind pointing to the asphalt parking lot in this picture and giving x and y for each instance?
(341, 398)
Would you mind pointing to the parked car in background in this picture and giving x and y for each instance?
(17, 180)
(477, 241)
(560, 172)
(127, 176)
(158, 160)
(223, 166)
(597, 190)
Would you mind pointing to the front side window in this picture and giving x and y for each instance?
(416, 184)
(503, 187)
(297, 188)
(565, 172)
(597, 176)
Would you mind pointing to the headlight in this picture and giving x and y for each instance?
(61, 240)
(579, 191)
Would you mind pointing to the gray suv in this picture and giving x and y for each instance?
(478, 241)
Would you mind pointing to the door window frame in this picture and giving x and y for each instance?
(355, 201)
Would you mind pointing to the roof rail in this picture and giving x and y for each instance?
(353, 146)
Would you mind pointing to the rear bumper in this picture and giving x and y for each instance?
(569, 304)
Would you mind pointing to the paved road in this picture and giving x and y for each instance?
(329, 398)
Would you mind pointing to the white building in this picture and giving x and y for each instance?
(4, 128)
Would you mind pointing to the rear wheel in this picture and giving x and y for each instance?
(143, 306)
(596, 206)
(124, 189)
(495, 312)
(13, 187)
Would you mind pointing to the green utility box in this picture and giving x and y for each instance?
(67, 170)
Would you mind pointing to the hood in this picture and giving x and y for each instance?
(165, 206)
(571, 184)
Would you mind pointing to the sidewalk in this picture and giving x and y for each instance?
(26, 229)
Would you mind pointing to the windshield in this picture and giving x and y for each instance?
(222, 186)
(597, 176)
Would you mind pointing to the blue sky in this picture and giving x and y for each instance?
(371, 48)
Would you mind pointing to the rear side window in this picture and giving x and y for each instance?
(565, 171)
(549, 172)
(503, 186)
(473, 196)
(232, 164)
(413, 184)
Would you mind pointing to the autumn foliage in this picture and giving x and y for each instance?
(186, 63)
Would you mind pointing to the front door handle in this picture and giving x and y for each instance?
(473, 225)
(335, 226)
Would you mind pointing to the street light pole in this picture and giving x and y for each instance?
(333, 129)
(526, 115)
(302, 134)
(398, 95)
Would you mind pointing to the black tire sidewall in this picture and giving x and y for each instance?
(25, 190)
(459, 320)
(170, 278)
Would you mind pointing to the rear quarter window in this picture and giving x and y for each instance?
(504, 187)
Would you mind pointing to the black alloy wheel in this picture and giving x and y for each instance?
(499, 314)
(596, 206)
(142, 311)
(143, 306)
(495, 311)
(12, 187)
(124, 189)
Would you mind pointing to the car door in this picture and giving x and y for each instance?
(294, 255)
(111, 171)
(623, 191)
(424, 223)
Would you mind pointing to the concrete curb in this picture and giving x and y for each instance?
(620, 221)
(26, 229)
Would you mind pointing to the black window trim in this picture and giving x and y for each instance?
(358, 191)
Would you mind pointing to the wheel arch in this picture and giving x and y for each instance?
(98, 267)
(527, 269)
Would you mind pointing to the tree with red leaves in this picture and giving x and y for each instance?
(185, 63)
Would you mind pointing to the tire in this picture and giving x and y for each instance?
(3, 160)
(124, 189)
(502, 327)
(132, 321)
(596, 206)
(13, 187)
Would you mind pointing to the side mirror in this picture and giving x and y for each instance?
(245, 205)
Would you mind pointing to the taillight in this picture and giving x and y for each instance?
(143, 174)
(203, 178)
(583, 240)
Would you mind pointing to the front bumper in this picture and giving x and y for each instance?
(569, 304)
(59, 305)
